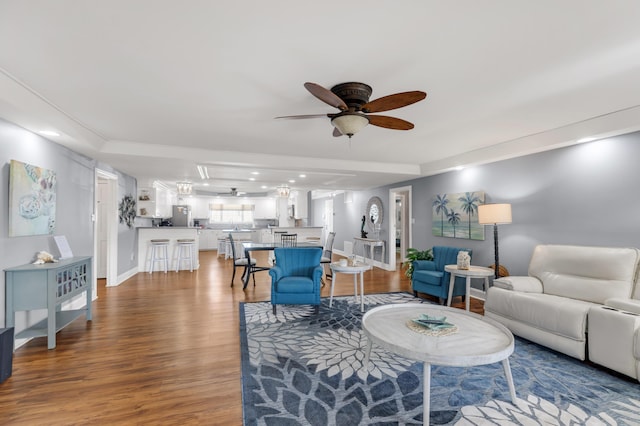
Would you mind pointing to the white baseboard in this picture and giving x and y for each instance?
(476, 293)
(123, 277)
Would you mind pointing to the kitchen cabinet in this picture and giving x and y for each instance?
(301, 205)
(209, 239)
(146, 202)
(265, 208)
(155, 202)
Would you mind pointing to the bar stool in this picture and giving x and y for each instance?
(222, 247)
(184, 249)
(159, 253)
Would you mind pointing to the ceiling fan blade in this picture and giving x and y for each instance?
(397, 100)
(298, 117)
(336, 132)
(326, 96)
(389, 122)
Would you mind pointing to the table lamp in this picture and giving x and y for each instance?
(494, 214)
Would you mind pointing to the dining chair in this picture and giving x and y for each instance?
(240, 261)
(289, 240)
(327, 253)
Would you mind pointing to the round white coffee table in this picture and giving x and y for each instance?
(356, 270)
(478, 340)
(472, 272)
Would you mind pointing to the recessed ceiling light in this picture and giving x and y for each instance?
(255, 173)
(205, 184)
(49, 133)
(264, 187)
(303, 176)
(292, 181)
(252, 179)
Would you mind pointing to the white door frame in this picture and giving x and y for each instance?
(111, 225)
(392, 222)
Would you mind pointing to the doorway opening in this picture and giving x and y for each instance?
(105, 250)
(400, 226)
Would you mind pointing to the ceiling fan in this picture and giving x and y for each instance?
(352, 99)
(233, 193)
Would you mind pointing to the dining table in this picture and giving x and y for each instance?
(250, 246)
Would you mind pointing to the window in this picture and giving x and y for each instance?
(231, 213)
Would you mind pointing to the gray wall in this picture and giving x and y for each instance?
(585, 194)
(75, 204)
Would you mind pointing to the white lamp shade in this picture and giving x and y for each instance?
(490, 214)
(349, 123)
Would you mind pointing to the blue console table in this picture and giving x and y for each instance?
(47, 286)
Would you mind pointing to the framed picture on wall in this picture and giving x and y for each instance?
(456, 215)
(32, 200)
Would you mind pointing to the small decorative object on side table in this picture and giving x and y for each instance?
(464, 260)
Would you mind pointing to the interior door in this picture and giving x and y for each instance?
(327, 217)
(101, 214)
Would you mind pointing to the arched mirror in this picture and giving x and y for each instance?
(375, 213)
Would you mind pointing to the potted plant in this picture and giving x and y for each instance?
(415, 254)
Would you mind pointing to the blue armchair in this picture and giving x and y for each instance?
(295, 279)
(429, 277)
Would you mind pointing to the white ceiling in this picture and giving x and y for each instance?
(155, 87)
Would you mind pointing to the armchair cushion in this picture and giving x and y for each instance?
(294, 285)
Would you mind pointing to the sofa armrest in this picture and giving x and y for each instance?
(628, 305)
(425, 265)
(522, 284)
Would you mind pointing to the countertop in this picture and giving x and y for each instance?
(167, 227)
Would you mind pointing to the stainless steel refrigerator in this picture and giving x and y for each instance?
(181, 216)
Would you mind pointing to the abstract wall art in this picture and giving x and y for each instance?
(32, 200)
(456, 215)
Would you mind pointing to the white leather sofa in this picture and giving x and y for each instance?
(550, 306)
(614, 335)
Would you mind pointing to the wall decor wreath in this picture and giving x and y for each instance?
(127, 210)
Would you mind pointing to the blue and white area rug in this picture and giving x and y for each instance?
(299, 368)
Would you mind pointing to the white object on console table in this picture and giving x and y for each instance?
(172, 233)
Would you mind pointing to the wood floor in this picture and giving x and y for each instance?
(162, 349)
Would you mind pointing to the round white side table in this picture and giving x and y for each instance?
(472, 272)
(356, 270)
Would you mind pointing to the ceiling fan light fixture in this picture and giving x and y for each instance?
(349, 123)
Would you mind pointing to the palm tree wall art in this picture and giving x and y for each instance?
(450, 210)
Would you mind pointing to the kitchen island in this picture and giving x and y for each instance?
(171, 233)
(304, 233)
